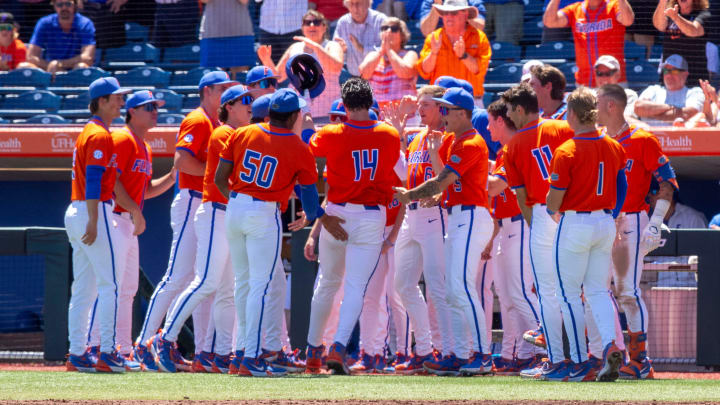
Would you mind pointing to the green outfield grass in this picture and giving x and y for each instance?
(37, 385)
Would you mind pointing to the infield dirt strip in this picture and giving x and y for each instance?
(346, 402)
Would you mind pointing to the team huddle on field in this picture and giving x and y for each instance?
(558, 214)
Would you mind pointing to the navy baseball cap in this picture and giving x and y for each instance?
(305, 73)
(373, 115)
(233, 92)
(458, 97)
(286, 100)
(261, 106)
(259, 73)
(337, 108)
(449, 82)
(142, 97)
(214, 77)
(105, 86)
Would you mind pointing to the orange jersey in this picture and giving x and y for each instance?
(528, 157)
(93, 147)
(467, 157)
(216, 145)
(419, 167)
(596, 33)
(133, 160)
(193, 136)
(586, 167)
(503, 205)
(644, 157)
(361, 156)
(268, 161)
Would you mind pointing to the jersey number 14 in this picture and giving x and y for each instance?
(365, 160)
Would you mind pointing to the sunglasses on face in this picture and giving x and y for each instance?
(667, 71)
(605, 74)
(150, 107)
(446, 110)
(6, 27)
(449, 13)
(67, 4)
(267, 83)
(334, 117)
(392, 28)
(244, 100)
(315, 23)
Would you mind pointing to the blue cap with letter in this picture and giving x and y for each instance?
(233, 92)
(214, 77)
(142, 97)
(106, 86)
(458, 97)
(449, 82)
(259, 73)
(261, 106)
(305, 73)
(337, 108)
(286, 100)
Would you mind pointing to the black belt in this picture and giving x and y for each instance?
(516, 218)
(367, 207)
(219, 206)
(607, 211)
(195, 193)
(462, 208)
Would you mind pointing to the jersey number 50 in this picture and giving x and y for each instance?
(259, 169)
(365, 159)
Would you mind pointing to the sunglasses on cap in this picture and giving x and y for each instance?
(672, 71)
(64, 4)
(6, 27)
(446, 110)
(392, 28)
(267, 83)
(315, 23)
(244, 100)
(605, 74)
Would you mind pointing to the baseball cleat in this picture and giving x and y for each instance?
(636, 370)
(379, 364)
(203, 362)
(399, 359)
(449, 365)
(115, 363)
(268, 355)
(364, 364)
(535, 371)
(142, 355)
(612, 360)
(235, 361)
(314, 357)
(413, 365)
(83, 363)
(556, 371)
(162, 349)
(336, 359)
(582, 372)
(94, 352)
(258, 367)
(504, 366)
(221, 364)
(477, 364)
(289, 363)
(530, 362)
(535, 337)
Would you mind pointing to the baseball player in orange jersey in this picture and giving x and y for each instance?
(513, 280)
(190, 157)
(464, 179)
(98, 252)
(363, 162)
(527, 166)
(637, 233)
(263, 162)
(587, 189)
(598, 28)
(132, 159)
(420, 242)
(213, 274)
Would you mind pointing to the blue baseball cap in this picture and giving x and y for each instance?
(261, 106)
(449, 82)
(337, 108)
(233, 92)
(259, 73)
(373, 115)
(458, 97)
(286, 100)
(105, 86)
(214, 77)
(305, 73)
(142, 97)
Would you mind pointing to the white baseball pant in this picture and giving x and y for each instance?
(254, 232)
(595, 345)
(483, 282)
(334, 317)
(97, 273)
(354, 261)
(542, 248)
(513, 284)
(180, 271)
(469, 230)
(398, 327)
(627, 280)
(582, 262)
(419, 250)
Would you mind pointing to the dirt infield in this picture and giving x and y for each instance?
(293, 402)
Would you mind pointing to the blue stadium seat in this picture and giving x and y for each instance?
(532, 31)
(37, 99)
(187, 82)
(191, 102)
(182, 55)
(634, 50)
(26, 77)
(505, 52)
(75, 106)
(641, 73)
(345, 74)
(149, 76)
(135, 32)
(132, 53)
(173, 101)
(551, 50)
(79, 77)
(503, 77)
(488, 98)
(568, 69)
(47, 119)
(534, 8)
(170, 119)
(656, 52)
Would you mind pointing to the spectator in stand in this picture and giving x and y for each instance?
(391, 69)
(12, 49)
(504, 20)
(683, 22)
(549, 85)
(313, 41)
(598, 28)
(62, 41)
(678, 215)
(280, 23)
(358, 32)
(558, 34)
(109, 19)
(711, 108)
(176, 23)
(331, 9)
(607, 71)
(457, 49)
(526, 75)
(393, 8)
(226, 25)
(27, 13)
(672, 103)
(642, 31)
(430, 16)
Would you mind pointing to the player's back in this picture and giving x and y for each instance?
(93, 147)
(528, 157)
(216, 144)
(361, 156)
(503, 205)
(193, 136)
(133, 159)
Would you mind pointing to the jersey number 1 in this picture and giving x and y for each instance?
(538, 154)
(365, 159)
(601, 175)
(260, 169)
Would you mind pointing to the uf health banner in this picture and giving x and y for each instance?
(24, 141)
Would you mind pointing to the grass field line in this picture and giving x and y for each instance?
(31, 385)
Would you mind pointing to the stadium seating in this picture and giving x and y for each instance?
(503, 52)
(37, 99)
(170, 119)
(47, 119)
(503, 77)
(76, 81)
(532, 31)
(34, 78)
(75, 106)
(568, 69)
(551, 51)
(187, 56)
(144, 77)
(191, 102)
(634, 51)
(130, 55)
(135, 32)
(173, 101)
(641, 74)
(187, 82)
